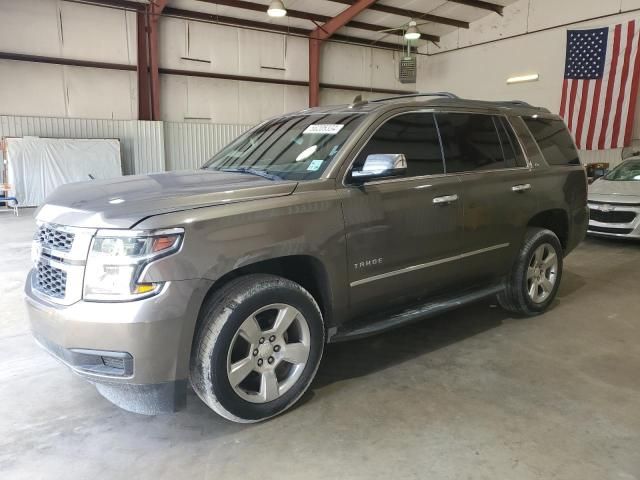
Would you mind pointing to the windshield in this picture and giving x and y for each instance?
(627, 171)
(297, 147)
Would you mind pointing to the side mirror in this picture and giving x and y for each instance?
(381, 165)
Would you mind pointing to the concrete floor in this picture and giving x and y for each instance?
(471, 394)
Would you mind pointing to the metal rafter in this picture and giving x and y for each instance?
(492, 7)
(405, 12)
(241, 22)
(313, 17)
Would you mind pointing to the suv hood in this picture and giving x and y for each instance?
(615, 191)
(125, 201)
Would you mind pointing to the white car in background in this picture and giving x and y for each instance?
(614, 202)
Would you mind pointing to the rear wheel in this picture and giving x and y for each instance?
(535, 277)
(258, 347)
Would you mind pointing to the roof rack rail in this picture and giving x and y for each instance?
(411, 95)
(515, 102)
(522, 103)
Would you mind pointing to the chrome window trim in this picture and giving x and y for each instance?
(520, 144)
(420, 266)
(434, 111)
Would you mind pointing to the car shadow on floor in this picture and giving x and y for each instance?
(570, 284)
(362, 357)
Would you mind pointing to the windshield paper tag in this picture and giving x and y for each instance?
(314, 165)
(323, 128)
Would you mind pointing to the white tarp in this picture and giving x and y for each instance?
(37, 166)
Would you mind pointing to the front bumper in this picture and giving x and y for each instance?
(137, 353)
(614, 220)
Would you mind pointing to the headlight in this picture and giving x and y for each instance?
(117, 258)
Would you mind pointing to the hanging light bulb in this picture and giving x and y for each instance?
(412, 32)
(276, 9)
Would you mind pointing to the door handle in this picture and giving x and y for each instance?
(445, 199)
(521, 188)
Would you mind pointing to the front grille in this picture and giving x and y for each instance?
(50, 280)
(612, 217)
(50, 237)
(618, 231)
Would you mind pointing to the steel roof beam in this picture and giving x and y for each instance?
(493, 7)
(313, 17)
(241, 22)
(404, 12)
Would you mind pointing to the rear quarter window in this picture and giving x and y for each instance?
(554, 140)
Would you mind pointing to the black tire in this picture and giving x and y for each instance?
(220, 320)
(516, 298)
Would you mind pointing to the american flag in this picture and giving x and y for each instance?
(600, 87)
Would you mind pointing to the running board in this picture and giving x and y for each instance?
(419, 312)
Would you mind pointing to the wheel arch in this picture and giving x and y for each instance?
(556, 220)
(306, 270)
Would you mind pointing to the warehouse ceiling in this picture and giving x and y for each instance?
(439, 17)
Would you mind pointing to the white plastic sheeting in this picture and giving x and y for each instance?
(141, 142)
(37, 166)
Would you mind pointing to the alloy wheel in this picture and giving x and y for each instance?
(268, 353)
(542, 273)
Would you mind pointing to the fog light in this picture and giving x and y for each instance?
(145, 287)
(111, 362)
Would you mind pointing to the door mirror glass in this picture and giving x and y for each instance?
(381, 165)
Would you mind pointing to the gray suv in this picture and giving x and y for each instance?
(319, 226)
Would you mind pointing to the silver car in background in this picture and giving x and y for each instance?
(614, 202)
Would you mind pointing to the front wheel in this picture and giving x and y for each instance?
(257, 348)
(535, 277)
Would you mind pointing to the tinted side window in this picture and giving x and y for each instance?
(470, 142)
(513, 155)
(554, 140)
(414, 135)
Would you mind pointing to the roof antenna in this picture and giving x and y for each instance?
(358, 101)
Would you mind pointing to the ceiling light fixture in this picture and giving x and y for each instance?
(276, 9)
(523, 78)
(412, 32)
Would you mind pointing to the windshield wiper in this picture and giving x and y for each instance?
(252, 171)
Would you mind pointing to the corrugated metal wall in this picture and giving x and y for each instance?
(146, 146)
(189, 145)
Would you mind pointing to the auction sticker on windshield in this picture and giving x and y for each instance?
(314, 165)
(323, 128)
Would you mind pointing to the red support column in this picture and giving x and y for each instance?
(144, 89)
(155, 9)
(322, 33)
(314, 71)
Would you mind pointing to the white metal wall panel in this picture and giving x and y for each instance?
(100, 93)
(189, 145)
(32, 88)
(30, 26)
(148, 147)
(115, 27)
(142, 142)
